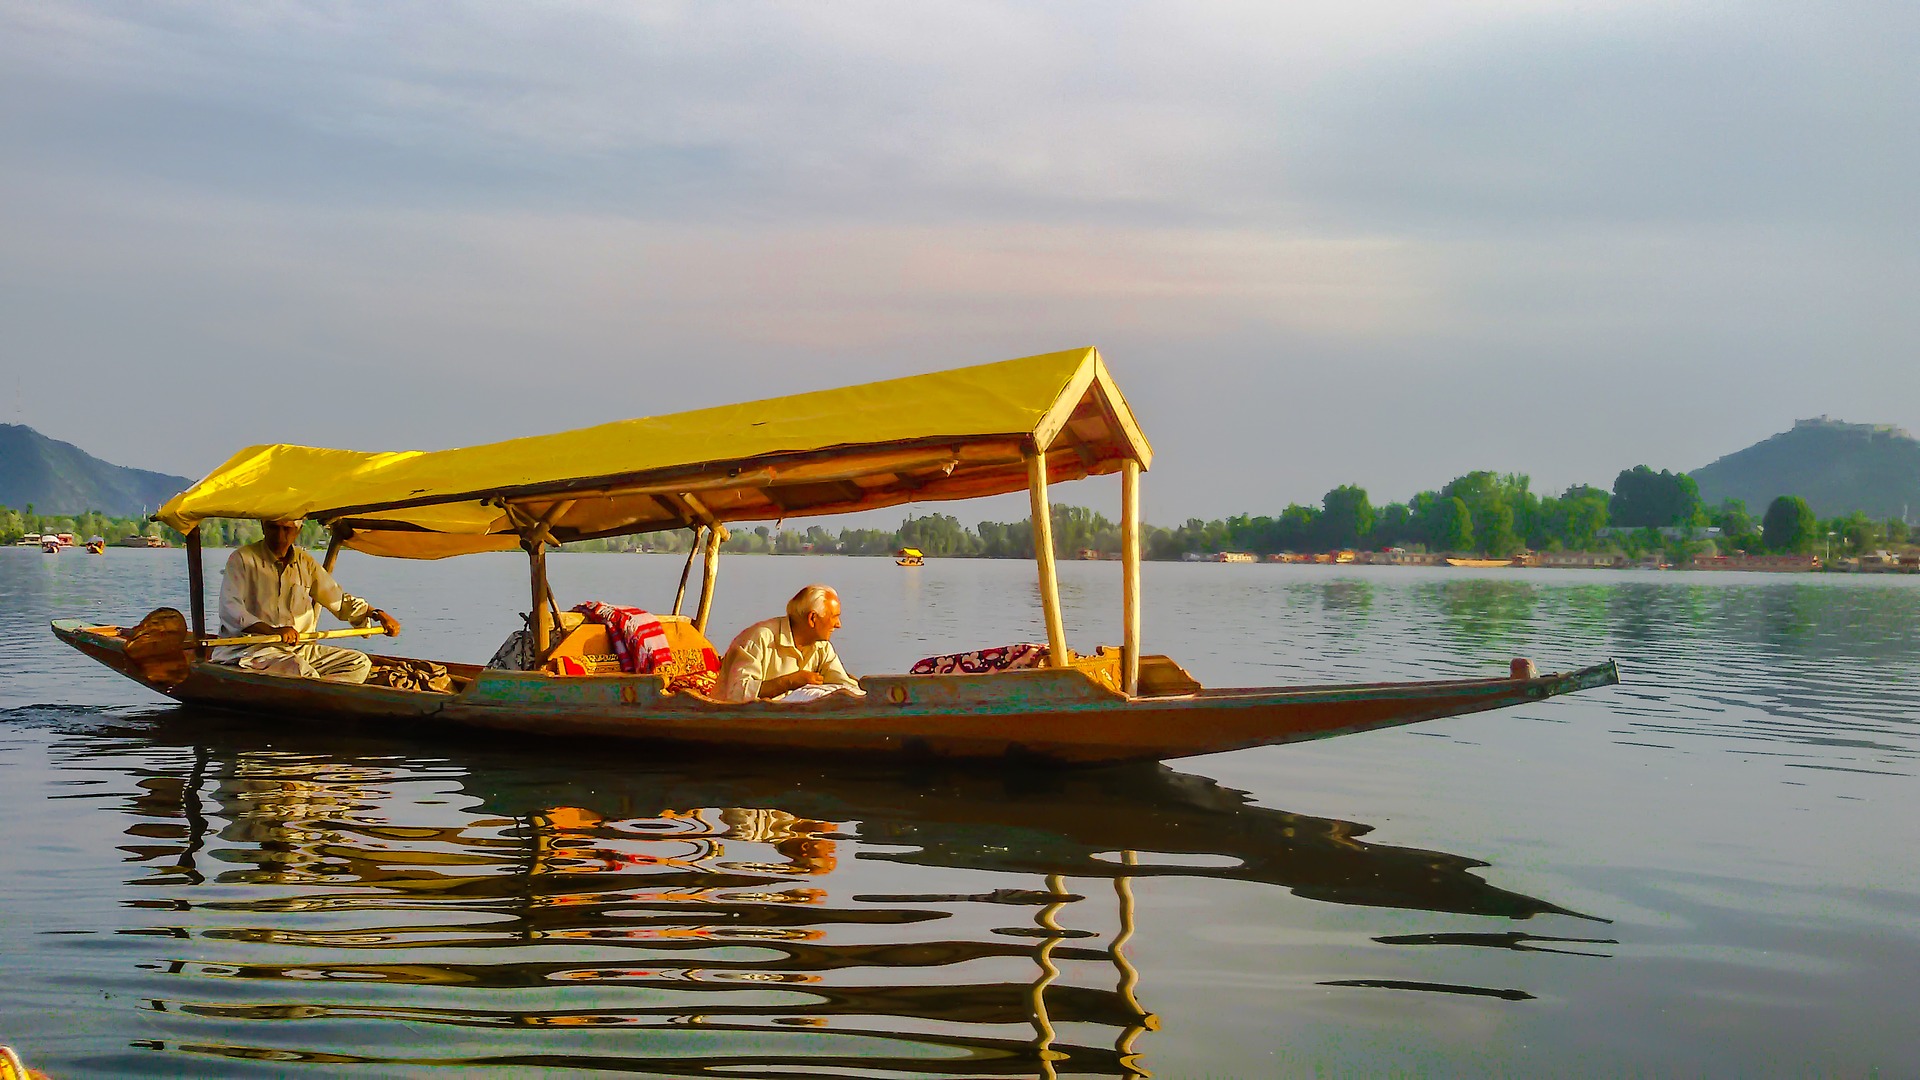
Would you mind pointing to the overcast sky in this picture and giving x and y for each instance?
(1379, 243)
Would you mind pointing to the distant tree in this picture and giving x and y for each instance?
(1261, 534)
(1896, 531)
(1346, 517)
(1789, 526)
(1731, 518)
(1076, 528)
(1450, 526)
(1007, 541)
(1738, 530)
(1392, 526)
(1857, 531)
(1298, 528)
(1495, 499)
(1578, 516)
(938, 534)
(1494, 529)
(868, 541)
(1642, 497)
(1202, 536)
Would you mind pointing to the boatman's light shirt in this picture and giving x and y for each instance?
(257, 589)
(766, 650)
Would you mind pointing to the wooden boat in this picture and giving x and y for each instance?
(96, 545)
(909, 557)
(1480, 564)
(50, 544)
(971, 432)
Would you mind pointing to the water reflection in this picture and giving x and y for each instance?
(328, 900)
(1485, 611)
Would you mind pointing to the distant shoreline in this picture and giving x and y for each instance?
(1819, 567)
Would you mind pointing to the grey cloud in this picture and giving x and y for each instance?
(1379, 244)
(1776, 114)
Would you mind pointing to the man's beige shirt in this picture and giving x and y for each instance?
(766, 650)
(256, 589)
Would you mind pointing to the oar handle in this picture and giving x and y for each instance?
(274, 639)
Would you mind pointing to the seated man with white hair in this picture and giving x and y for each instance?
(789, 658)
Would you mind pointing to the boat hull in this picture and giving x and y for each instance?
(1049, 714)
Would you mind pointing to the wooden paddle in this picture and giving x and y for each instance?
(161, 645)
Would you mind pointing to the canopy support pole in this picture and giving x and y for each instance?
(1057, 655)
(693, 551)
(334, 545)
(1130, 576)
(709, 574)
(540, 620)
(196, 587)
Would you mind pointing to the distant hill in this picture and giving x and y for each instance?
(1838, 468)
(61, 478)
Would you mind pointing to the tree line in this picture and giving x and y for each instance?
(1485, 513)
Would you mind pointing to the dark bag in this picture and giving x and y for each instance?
(411, 675)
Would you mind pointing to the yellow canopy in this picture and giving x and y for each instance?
(956, 434)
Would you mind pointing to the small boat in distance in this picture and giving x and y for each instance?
(50, 544)
(909, 557)
(992, 429)
(1481, 564)
(96, 545)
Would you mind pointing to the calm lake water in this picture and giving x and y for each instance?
(1713, 869)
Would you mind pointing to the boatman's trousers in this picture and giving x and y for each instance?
(311, 660)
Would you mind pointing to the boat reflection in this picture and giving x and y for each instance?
(340, 900)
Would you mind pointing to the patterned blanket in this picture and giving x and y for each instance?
(636, 635)
(979, 661)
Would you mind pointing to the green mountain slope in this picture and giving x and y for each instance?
(61, 478)
(1838, 468)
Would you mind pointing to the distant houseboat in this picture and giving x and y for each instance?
(1585, 560)
(1401, 557)
(1776, 564)
(1886, 562)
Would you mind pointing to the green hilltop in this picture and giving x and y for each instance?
(1838, 468)
(60, 478)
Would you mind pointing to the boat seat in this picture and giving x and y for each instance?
(1161, 676)
(587, 649)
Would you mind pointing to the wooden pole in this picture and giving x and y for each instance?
(708, 575)
(693, 550)
(196, 585)
(1130, 576)
(539, 619)
(1057, 655)
(333, 549)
